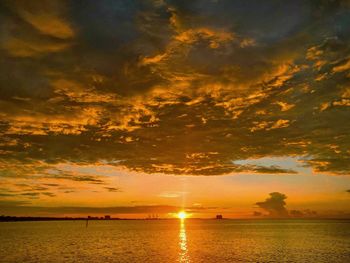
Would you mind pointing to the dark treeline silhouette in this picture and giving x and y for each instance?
(35, 218)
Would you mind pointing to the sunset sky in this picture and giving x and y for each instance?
(134, 108)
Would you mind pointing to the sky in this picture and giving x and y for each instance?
(138, 108)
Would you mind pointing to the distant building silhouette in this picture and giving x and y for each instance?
(107, 217)
(152, 217)
(218, 216)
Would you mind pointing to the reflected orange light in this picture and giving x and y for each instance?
(183, 254)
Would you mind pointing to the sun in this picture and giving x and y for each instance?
(182, 215)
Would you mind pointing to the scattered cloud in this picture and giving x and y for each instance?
(256, 213)
(302, 213)
(172, 194)
(113, 189)
(173, 88)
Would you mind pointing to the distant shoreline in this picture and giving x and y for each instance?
(33, 219)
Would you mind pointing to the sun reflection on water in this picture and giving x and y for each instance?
(184, 257)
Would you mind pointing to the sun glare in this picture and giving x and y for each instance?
(182, 215)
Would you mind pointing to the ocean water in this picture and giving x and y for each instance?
(176, 241)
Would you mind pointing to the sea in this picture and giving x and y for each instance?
(189, 240)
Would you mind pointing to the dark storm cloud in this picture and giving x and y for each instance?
(176, 87)
(274, 205)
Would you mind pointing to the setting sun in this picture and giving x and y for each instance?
(182, 215)
(175, 131)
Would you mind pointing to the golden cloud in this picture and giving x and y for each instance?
(168, 89)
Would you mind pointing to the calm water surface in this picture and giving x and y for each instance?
(176, 241)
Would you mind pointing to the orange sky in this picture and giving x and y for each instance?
(203, 196)
(140, 107)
